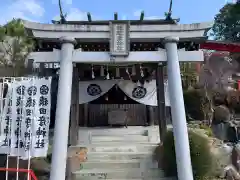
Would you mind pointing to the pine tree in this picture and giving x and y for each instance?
(15, 46)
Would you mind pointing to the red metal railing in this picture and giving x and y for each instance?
(32, 176)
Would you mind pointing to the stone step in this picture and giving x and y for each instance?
(96, 178)
(122, 148)
(111, 131)
(120, 138)
(117, 147)
(118, 164)
(118, 155)
(117, 174)
(131, 134)
(95, 144)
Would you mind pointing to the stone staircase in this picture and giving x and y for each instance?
(115, 153)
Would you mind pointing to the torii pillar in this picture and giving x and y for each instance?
(180, 131)
(60, 141)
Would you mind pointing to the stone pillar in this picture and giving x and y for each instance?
(60, 141)
(183, 159)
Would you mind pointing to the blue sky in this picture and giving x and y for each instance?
(189, 11)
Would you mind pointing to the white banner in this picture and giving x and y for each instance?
(26, 118)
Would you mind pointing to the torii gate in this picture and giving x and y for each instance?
(119, 34)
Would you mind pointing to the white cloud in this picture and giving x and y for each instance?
(76, 15)
(25, 9)
(68, 1)
(137, 14)
(153, 17)
(124, 17)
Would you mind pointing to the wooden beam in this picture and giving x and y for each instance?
(74, 120)
(161, 111)
(151, 119)
(74, 126)
(85, 106)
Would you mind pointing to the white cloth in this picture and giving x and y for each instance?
(85, 97)
(151, 92)
(126, 86)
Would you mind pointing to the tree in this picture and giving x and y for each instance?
(214, 80)
(189, 74)
(15, 46)
(227, 23)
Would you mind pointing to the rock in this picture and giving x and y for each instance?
(230, 173)
(220, 131)
(228, 132)
(221, 114)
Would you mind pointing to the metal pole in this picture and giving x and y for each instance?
(183, 159)
(60, 141)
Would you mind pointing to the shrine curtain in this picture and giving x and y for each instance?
(91, 90)
(146, 94)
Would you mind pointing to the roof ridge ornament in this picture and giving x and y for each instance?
(169, 13)
(62, 16)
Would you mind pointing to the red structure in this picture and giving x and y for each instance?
(32, 176)
(239, 85)
(221, 46)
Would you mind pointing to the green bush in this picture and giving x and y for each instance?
(208, 130)
(201, 157)
(192, 101)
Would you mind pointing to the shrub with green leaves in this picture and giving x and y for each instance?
(192, 101)
(208, 130)
(201, 156)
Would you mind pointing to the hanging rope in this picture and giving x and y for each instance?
(108, 76)
(93, 75)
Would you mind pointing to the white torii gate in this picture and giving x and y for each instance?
(69, 34)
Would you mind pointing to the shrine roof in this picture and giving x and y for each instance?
(132, 22)
(135, 24)
(145, 30)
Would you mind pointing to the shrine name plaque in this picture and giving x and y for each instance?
(119, 38)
